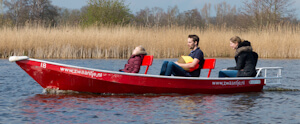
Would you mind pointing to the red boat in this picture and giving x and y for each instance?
(57, 76)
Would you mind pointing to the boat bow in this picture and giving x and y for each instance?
(17, 58)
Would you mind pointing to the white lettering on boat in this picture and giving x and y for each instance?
(82, 72)
(229, 83)
(43, 65)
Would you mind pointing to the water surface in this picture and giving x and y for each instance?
(22, 100)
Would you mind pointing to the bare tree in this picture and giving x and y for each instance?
(265, 12)
(41, 11)
(142, 17)
(22, 11)
(1, 12)
(157, 15)
(193, 18)
(74, 17)
(1, 6)
(225, 14)
(171, 14)
(206, 12)
(17, 11)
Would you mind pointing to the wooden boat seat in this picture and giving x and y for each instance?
(209, 64)
(147, 61)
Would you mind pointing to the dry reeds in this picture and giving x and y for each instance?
(162, 42)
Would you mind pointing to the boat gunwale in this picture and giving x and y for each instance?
(145, 75)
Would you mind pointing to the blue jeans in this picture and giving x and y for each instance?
(169, 68)
(228, 73)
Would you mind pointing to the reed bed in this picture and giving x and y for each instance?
(162, 42)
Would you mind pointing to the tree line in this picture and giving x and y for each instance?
(252, 13)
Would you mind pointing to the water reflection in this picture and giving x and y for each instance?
(244, 102)
(214, 108)
(198, 108)
(95, 108)
(73, 108)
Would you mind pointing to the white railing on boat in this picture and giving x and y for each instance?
(263, 72)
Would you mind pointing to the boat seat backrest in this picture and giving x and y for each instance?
(209, 64)
(147, 61)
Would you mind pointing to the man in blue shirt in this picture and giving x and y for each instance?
(176, 68)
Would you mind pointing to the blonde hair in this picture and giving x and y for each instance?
(236, 39)
(141, 48)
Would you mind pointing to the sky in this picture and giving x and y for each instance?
(183, 5)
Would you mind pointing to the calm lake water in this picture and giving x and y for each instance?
(22, 100)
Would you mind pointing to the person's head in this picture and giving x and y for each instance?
(193, 41)
(235, 41)
(139, 50)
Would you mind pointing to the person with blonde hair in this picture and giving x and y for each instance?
(135, 61)
(245, 58)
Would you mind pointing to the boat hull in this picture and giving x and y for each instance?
(66, 77)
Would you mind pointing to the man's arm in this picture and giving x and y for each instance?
(189, 65)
